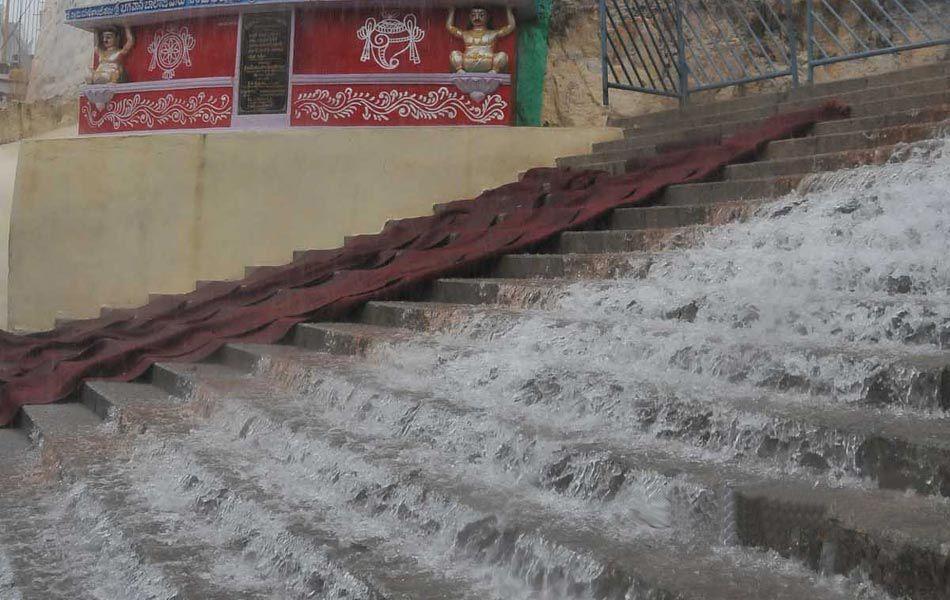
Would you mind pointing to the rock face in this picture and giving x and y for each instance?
(573, 97)
(63, 54)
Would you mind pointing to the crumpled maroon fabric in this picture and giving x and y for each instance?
(326, 284)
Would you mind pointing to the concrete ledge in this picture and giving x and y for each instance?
(108, 220)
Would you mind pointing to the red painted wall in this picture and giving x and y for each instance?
(213, 43)
(327, 42)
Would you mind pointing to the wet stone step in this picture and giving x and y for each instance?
(636, 240)
(729, 191)
(857, 140)
(509, 529)
(666, 217)
(352, 568)
(899, 452)
(915, 378)
(101, 517)
(810, 164)
(573, 266)
(523, 293)
(901, 542)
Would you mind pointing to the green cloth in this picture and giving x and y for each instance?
(532, 65)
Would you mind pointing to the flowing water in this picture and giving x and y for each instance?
(530, 453)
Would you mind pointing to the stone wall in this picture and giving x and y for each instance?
(107, 220)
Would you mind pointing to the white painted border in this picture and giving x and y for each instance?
(389, 78)
(162, 85)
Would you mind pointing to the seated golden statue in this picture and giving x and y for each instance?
(111, 67)
(479, 55)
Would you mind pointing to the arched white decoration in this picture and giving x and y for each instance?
(324, 106)
(171, 48)
(378, 36)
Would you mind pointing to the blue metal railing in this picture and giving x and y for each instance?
(678, 47)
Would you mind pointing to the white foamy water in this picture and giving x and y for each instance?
(543, 454)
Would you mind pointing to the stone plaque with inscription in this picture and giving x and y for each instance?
(265, 57)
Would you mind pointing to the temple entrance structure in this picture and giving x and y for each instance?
(192, 64)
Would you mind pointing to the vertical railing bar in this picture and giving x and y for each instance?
(831, 34)
(810, 39)
(619, 61)
(603, 54)
(926, 6)
(661, 72)
(719, 73)
(913, 20)
(626, 53)
(681, 54)
(636, 48)
(668, 37)
(775, 39)
(755, 37)
(623, 59)
(790, 32)
(722, 37)
(735, 34)
(854, 35)
(872, 23)
(699, 68)
(712, 64)
(887, 16)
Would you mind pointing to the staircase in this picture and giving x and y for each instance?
(478, 441)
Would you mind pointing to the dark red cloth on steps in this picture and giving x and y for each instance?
(325, 284)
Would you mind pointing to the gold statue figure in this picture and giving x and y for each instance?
(479, 55)
(111, 67)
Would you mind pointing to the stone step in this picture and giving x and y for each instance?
(377, 576)
(63, 421)
(839, 524)
(811, 163)
(729, 191)
(858, 140)
(896, 451)
(636, 144)
(863, 102)
(665, 217)
(630, 240)
(108, 514)
(907, 378)
(523, 293)
(927, 114)
(630, 147)
(504, 521)
(109, 399)
(901, 541)
(572, 266)
(713, 110)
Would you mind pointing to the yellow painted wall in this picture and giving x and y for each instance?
(105, 221)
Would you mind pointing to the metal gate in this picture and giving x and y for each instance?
(677, 47)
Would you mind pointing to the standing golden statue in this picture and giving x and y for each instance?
(479, 55)
(111, 67)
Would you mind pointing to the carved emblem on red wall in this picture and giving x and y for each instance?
(171, 48)
(385, 40)
(324, 106)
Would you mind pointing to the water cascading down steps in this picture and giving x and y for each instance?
(739, 393)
